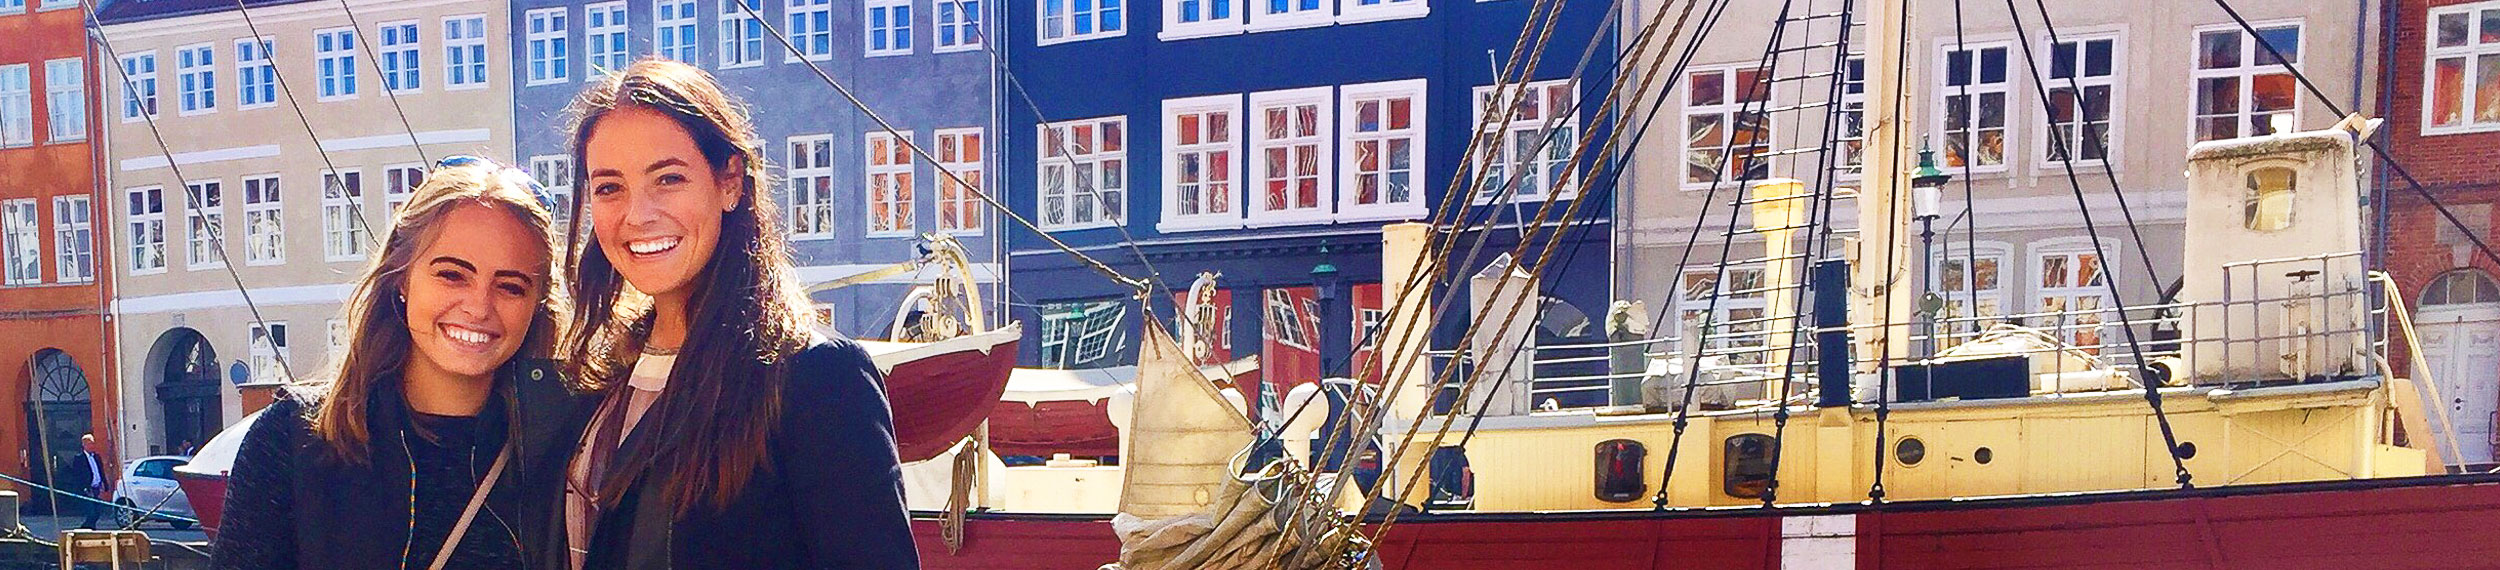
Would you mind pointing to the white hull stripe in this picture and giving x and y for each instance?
(1826, 542)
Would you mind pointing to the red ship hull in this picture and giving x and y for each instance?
(2424, 522)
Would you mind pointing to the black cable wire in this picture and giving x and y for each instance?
(355, 213)
(2066, 155)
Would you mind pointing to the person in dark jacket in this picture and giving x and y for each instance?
(729, 435)
(408, 457)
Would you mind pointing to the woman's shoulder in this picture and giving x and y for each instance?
(837, 371)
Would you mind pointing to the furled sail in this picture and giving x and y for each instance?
(1183, 437)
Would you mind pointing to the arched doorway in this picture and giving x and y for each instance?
(187, 390)
(57, 412)
(2459, 326)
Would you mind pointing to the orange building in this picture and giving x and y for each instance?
(54, 291)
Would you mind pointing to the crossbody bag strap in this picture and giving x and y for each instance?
(476, 501)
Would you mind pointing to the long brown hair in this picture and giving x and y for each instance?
(378, 343)
(714, 422)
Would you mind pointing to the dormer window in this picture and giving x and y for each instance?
(2268, 206)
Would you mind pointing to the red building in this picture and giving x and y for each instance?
(54, 287)
(2441, 98)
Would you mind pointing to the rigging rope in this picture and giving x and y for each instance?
(1798, 326)
(355, 214)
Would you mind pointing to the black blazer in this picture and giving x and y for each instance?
(832, 496)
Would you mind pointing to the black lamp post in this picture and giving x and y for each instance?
(1333, 331)
(1926, 197)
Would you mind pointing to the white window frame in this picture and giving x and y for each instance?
(1322, 141)
(890, 183)
(2115, 81)
(1350, 166)
(2036, 265)
(146, 228)
(1745, 349)
(204, 223)
(964, 18)
(21, 238)
(2246, 72)
(1047, 32)
(1285, 322)
(1731, 92)
(673, 33)
(266, 355)
(399, 184)
(809, 23)
(65, 98)
(549, 45)
(1533, 186)
(17, 105)
(2469, 53)
(606, 37)
(336, 65)
(73, 239)
(344, 235)
(1978, 90)
(48, 5)
(1356, 12)
(255, 73)
(139, 87)
(808, 174)
(1960, 296)
(195, 79)
(741, 36)
(464, 46)
(1261, 20)
(896, 43)
(1071, 331)
(402, 57)
(336, 336)
(264, 226)
(1230, 106)
(554, 174)
(1206, 26)
(1068, 166)
(968, 165)
(1851, 134)
(12, 7)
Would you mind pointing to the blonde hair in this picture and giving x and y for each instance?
(376, 314)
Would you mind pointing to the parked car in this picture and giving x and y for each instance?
(147, 483)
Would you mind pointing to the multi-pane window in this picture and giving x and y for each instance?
(554, 173)
(12, 6)
(741, 35)
(1084, 173)
(888, 27)
(1971, 100)
(399, 183)
(958, 25)
(1083, 334)
(1368, 10)
(17, 105)
(605, 36)
(264, 228)
(811, 27)
(1285, 322)
(195, 73)
(1733, 324)
(2073, 290)
(810, 173)
(889, 184)
(20, 237)
(1191, 18)
(343, 232)
(1383, 127)
(1726, 129)
(1291, 13)
(269, 351)
(464, 51)
(1202, 163)
(255, 75)
(1971, 283)
(207, 215)
(65, 98)
(673, 29)
(334, 52)
(146, 209)
(139, 92)
(1543, 128)
(2081, 123)
(2242, 90)
(1852, 134)
(2462, 91)
(551, 58)
(1072, 20)
(73, 239)
(1289, 153)
(959, 203)
(401, 68)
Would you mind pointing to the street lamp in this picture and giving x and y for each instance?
(1926, 197)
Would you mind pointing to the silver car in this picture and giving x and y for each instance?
(147, 484)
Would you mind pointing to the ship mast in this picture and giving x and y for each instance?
(1878, 277)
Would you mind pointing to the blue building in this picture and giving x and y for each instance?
(1269, 141)
(850, 194)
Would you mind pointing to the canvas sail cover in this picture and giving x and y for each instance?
(1183, 437)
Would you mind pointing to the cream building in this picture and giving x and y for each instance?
(2175, 72)
(301, 202)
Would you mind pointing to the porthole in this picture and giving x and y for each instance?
(1909, 451)
(2187, 450)
(1983, 455)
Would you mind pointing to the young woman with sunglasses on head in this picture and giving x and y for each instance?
(730, 434)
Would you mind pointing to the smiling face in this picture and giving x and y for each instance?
(655, 201)
(471, 294)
